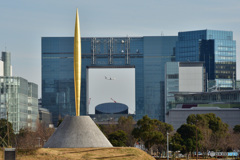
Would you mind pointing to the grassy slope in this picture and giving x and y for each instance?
(115, 153)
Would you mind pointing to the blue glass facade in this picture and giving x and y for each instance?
(147, 54)
(171, 84)
(216, 48)
(157, 51)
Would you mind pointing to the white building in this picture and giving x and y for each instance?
(182, 77)
(178, 116)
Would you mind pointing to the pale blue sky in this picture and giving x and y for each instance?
(24, 22)
(121, 89)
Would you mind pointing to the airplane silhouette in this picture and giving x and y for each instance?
(109, 78)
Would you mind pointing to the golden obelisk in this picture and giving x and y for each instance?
(70, 133)
(77, 58)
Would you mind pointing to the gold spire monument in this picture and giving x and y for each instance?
(77, 131)
(77, 65)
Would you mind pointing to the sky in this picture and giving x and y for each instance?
(24, 22)
(106, 83)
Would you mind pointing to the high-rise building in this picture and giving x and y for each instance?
(182, 77)
(45, 117)
(147, 55)
(216, 49)
(18, 98)
(5, 64)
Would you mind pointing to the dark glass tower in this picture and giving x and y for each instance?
(147, 54)
(216, 49)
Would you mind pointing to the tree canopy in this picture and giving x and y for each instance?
(189, 139)
(118, 138)
(125, 124)
(176, 142)
(236, 128)
(3, 133)
(151, 131)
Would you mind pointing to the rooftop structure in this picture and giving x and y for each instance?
(216, 97)
(111, 108)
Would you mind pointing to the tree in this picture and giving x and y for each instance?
(108, 129)
(219, 130)
(176, 142)
(215, 123)
(148, 130)
(197, 119)
(205, 143)
(59, 122)
(207, 120)
(126, 124)
(4, 126)
(118, 138)
(202, 124)
(164, 128)
(236, 128)
(43, 133)
(26, 139)
(214, 131)
(29, 139)
(188, 135)
(230, 142)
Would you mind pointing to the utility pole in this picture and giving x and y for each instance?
(7, 129)
(196, 142)
(167, 147)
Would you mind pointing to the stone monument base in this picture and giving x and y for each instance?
(77, 132)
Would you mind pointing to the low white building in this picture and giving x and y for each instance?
(178, 116)
(182, 77)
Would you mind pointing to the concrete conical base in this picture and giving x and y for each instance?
(77, 132)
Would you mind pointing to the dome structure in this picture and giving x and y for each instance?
(111, 108)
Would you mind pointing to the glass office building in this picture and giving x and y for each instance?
(182, 77)
(19, 98)
(216, 49)
(171, 84)
(147, 54)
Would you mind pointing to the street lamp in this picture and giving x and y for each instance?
(167, 147)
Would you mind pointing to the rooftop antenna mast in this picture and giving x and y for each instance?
(127, 48)
(5, 47)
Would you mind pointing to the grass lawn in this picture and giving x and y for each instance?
(115, 153)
